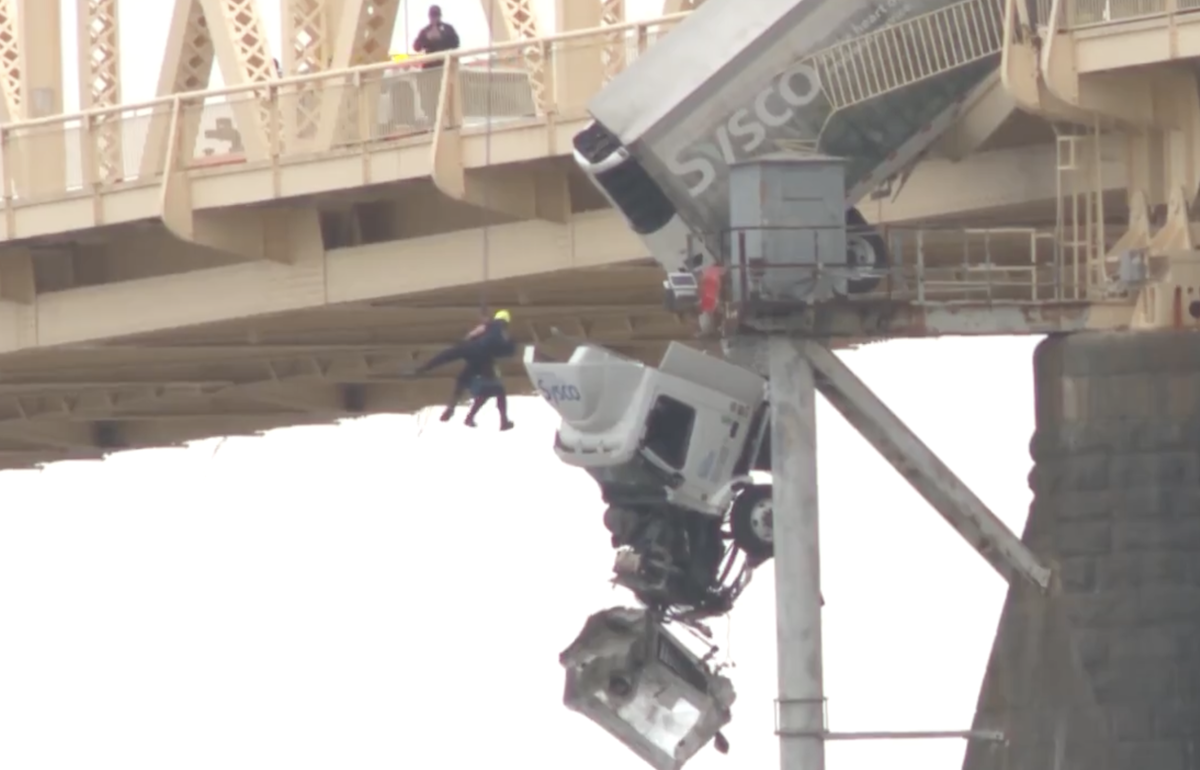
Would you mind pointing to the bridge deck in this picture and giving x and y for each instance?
(144, 300)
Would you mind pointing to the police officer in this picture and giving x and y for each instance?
(435, 37)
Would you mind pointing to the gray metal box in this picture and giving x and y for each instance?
(627, 673)
(787, 217)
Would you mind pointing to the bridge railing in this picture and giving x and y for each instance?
(926, 265)
(1085, 13)
(295, 119)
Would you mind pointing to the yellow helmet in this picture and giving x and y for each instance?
(503, 315)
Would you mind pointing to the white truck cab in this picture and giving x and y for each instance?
(687, 429)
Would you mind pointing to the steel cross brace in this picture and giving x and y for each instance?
(917, 463)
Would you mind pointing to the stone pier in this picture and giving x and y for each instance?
(1104, 673)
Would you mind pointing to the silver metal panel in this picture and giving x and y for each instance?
(787, 220)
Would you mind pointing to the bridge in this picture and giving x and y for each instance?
(272, 253)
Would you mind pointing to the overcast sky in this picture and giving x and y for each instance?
(375, 595)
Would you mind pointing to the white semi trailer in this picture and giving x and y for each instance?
(874, 82)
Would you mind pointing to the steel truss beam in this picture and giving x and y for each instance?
(517, 20)
(10, 63)
(90, 425)
(232, 33)
(612, 13)
(309, 32)
(99, 43)
(948, 495)
(364, 36)
(88, 418)
(103, 392)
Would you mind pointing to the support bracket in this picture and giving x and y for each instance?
(978, 525)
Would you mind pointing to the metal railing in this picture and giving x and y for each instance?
(923, 265)
(907, 52)
(1074, 14)
(292, 119)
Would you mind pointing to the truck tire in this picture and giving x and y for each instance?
(751, 519)
(863, 240)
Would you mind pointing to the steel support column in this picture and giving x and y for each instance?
(40, 153)
(579, 67)
(800, 716)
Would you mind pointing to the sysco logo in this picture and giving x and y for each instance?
(746, 129)
(557, 392)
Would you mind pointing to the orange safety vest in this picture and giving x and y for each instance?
(710, 288)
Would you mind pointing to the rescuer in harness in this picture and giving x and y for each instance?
(479, 350)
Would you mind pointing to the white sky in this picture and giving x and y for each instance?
(371, 596)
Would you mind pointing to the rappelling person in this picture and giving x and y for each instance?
(479, 349)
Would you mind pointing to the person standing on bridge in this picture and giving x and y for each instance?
(479, 349)
(435, 37)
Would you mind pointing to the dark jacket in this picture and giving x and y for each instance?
(446, 41)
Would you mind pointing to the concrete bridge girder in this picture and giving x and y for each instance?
(989, 107)
(80, 415)
(315, 278)
(273, 273)
(1015, 176)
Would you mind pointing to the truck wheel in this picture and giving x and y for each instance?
(752, 520)
(620, 522)
(864, 248)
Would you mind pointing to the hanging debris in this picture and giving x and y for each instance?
(627, 673)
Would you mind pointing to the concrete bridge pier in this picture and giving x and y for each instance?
(1103, 673)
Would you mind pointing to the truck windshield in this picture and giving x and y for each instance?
(669, 431)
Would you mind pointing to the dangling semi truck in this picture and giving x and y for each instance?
(875, 82)
(675, 448)
(679, 452)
